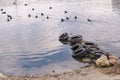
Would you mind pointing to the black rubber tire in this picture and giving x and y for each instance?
(64, 37)
(90, 46)
(76, 46)
(87, 43)
(76, 39)
(79, 53)
(98, 53)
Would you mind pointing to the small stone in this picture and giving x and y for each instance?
(113, 57)
(112, 62)
(53, 71)
(102, 61)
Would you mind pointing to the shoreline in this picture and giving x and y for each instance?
(86, 73)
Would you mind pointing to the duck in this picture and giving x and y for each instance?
(67, 18)
(62, 20)
(8, 20)
(75, 17)
(33, 9)
(50, 7)
(1, 9)
(47, 17)
(3, 12)
(42, 14)
(14, 3)
(9, 16)
(36, 16)
(25, 4)
(29, 15)
(89, 20)
(65, 12)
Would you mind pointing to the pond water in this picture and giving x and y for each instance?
(29, 45)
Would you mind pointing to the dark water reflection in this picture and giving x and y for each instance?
(31, 46)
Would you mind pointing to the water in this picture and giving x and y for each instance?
(31, 46)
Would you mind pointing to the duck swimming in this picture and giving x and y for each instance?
(89, 20)
(1, 9)
(29, 15)
(47, 17)
(67, 18)
(62, 20)
(42, 14)
(65, 12)
(75, 17)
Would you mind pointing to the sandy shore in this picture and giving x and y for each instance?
(85, 73)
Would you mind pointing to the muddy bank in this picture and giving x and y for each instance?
(85, 73)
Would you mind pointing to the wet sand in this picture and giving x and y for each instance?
(85, 73)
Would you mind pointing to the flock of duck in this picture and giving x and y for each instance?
(9, 17)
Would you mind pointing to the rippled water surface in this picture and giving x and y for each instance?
(29, 45)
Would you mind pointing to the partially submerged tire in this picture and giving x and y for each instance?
(79, 53)
(76, 39)
(98, 53)
(87, 43)
(63, 37)
(90, 46)
(76, 46)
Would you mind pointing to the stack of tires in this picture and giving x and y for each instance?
(82, 49)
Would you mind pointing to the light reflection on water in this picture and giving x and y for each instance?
(31, 46)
